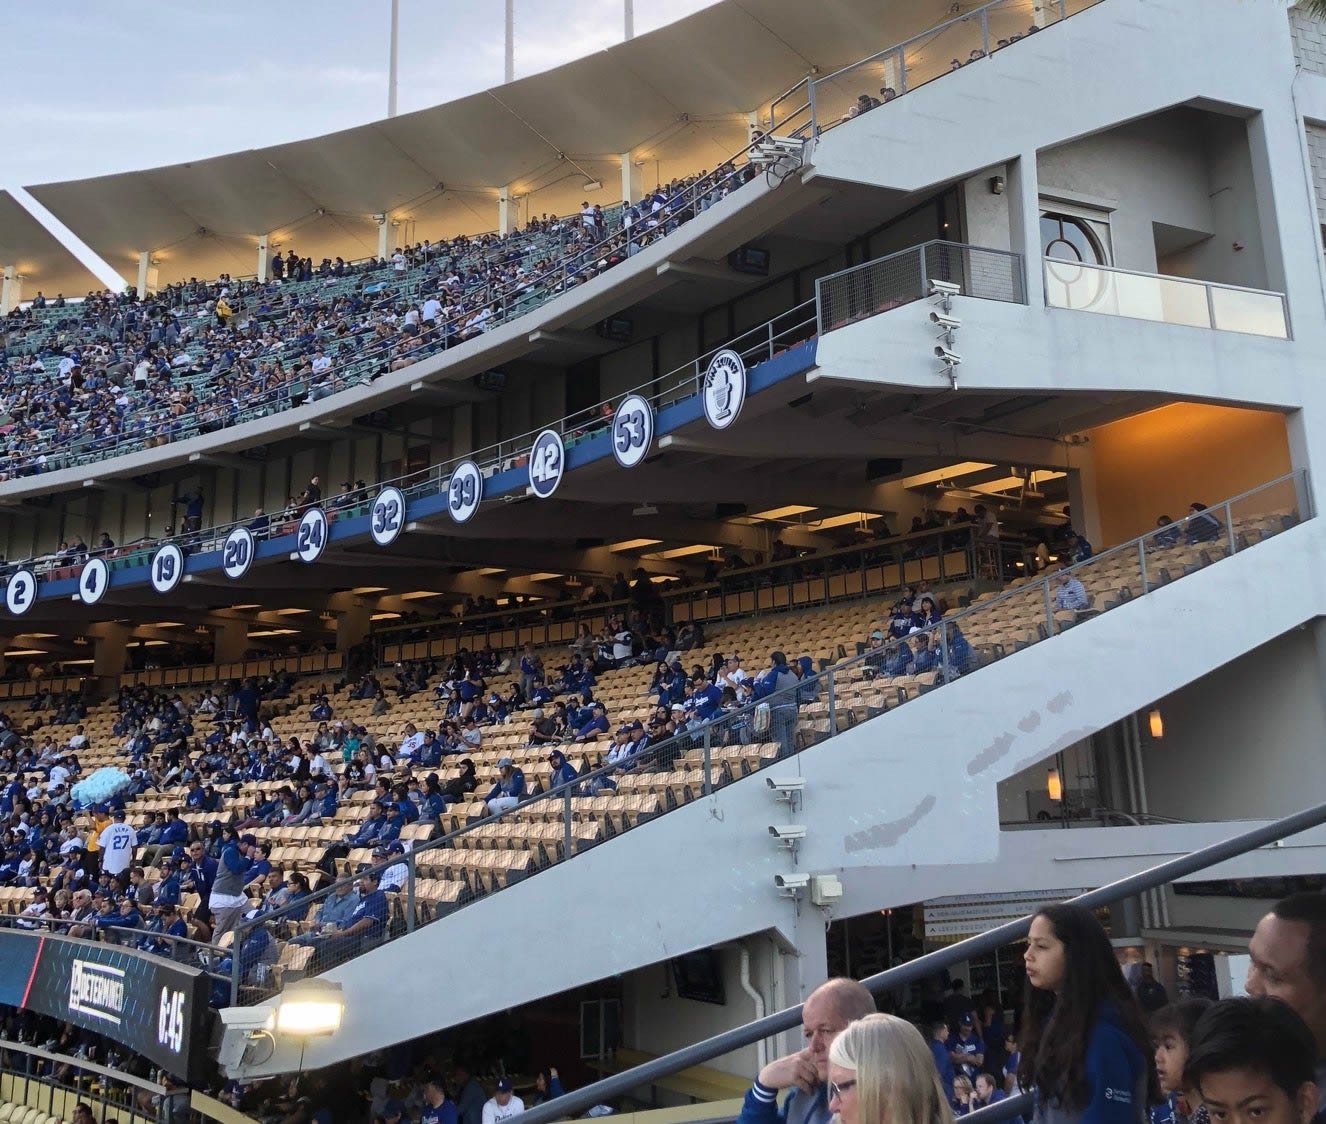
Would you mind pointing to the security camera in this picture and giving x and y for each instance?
(379, 217)
(950, 358)
(247, 1019)
(790, 784)
(949, 323)
(791, 884)
(944, 288)
(788, 833)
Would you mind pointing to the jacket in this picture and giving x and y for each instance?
(761, 1107)
(1116, 1075)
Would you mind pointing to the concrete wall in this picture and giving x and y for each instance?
(1309, 36)
(657, 1020)
(1161, 461)
(1244, 742)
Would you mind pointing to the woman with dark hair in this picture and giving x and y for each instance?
(1084, 1044)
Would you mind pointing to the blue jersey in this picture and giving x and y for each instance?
(445, 1113)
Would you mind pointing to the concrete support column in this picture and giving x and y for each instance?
(110, 652)
(11, 290)
(1024, 222)
(1044, 11)
(632, 181)
(144, 272)
(892, 72)
(504, 210)
(352, 625)
(264, 253)
(384, 228)
(230, 641)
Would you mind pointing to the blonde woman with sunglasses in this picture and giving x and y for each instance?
(881, 1072)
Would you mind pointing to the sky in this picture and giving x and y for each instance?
(94, 87)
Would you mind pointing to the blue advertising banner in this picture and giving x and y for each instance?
(154, 1006)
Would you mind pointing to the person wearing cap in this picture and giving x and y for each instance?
(563, 772)
(168, 886)
(503, 1104)
(967, 1050)
(508, 790)
(334, 913)
(228, 900)
(731, 674)
(395, 877)
(117, 842)
(597, 724)
(393, 1111)
(30, 917)
(70, 875)
(366, 925)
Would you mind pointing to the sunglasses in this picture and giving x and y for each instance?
(838, 1088)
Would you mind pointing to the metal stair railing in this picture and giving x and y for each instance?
(579, 1100)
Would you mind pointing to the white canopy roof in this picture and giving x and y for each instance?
(676, 99)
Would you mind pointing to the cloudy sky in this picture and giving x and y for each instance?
(94, 87)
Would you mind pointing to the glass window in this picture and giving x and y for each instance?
(1066, 238)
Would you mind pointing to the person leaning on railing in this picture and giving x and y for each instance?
(804, 1074)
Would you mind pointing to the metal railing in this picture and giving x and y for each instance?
(756, 345)
(464, 865)
(182, 950)
(886, 75)
(1110, 291)
(900, 278)
(867, 569)
(914, 971)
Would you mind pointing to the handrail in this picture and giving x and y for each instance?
(210, 953)
(1100, 267)
(942, 637)
(120, 1075)
(759, 342)
(576, 1101)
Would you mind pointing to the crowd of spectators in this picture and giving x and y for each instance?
(112, 373)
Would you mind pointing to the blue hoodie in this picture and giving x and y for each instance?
(1116, 1074)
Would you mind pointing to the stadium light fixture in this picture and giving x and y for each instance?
(1054, 785)
(1155, 722)
(310, 1008)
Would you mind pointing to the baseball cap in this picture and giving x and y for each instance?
(119, 813)
(637, 725)
(504, 1085)
(877, 635)
(503, 762)
(380, 849)
(249, 839)
(396, 848)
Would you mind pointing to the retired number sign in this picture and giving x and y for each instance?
(464, 491)
(311, 538)
(93, 581)
(21, 592)
(547, 463)
(167, 568)
(632, 430)
(387, 518)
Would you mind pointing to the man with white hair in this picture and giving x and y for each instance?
(824, 1015)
